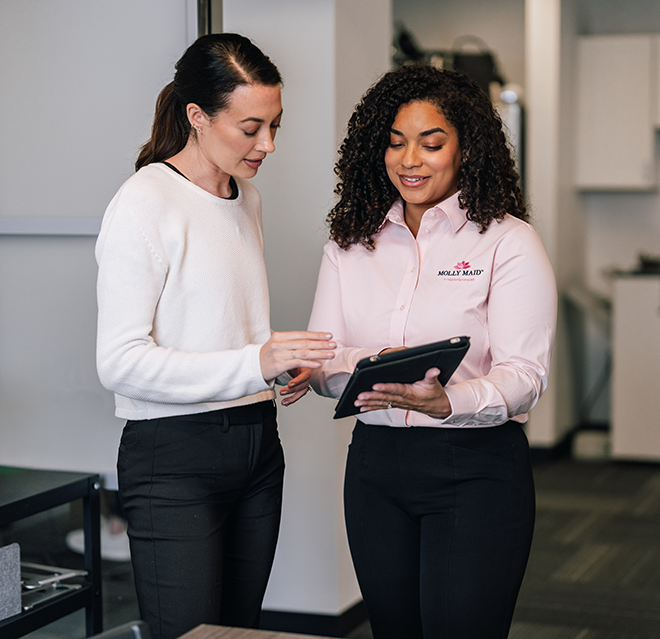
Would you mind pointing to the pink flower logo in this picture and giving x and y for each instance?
(462, 265)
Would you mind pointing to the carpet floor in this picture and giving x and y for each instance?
(594, 571)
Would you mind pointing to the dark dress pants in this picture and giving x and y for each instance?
(202, 495)
(440, 524)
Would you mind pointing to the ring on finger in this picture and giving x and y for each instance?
(389, 405)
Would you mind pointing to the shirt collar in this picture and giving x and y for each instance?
(450, 208)
(395, 214)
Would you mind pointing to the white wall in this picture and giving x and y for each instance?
(552, 197)
(79, 80)
(79, 83)
(329, 52)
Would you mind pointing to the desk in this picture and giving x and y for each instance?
(25, 492)
(223, 632)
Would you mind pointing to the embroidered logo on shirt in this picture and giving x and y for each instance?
(461, 272)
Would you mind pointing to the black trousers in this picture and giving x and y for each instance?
(202, 495)
(440, 524)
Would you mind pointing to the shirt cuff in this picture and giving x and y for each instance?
(465, 408)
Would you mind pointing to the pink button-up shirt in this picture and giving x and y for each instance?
(498, 288)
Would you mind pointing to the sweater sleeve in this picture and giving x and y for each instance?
(132, 274)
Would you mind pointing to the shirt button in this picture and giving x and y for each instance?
(412, 270)
(432, 213)
(426, 231)
(402, 307)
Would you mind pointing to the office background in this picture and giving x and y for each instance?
(79, 81)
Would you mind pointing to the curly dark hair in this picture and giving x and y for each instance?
(487, 180)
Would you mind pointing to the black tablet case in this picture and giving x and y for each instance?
(404, 367)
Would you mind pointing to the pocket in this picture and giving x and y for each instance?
(127, 448)
(129, 436)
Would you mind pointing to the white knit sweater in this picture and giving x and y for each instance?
(183, 297)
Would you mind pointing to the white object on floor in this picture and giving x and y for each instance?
(591, 444)
(114, 545)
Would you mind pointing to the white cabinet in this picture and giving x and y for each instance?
(655, 73)
(636, 368)
(617, 112)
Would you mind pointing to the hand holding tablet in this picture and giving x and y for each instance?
(404, 366)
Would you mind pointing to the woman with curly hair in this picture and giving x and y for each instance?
(430, 240)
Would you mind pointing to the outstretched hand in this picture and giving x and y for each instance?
(297, 387)
(286, 351)
(426, 396)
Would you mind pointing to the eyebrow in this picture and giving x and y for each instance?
(423, 134)
(260, 120)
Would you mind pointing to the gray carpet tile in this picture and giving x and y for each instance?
(595, 563)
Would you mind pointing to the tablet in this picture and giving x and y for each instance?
(404, 367)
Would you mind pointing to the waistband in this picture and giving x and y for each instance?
(246, 414)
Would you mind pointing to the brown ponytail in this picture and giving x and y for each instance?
(169, 132)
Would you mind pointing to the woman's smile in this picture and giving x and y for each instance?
(413, 181)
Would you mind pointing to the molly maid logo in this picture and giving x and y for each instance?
(462, 271)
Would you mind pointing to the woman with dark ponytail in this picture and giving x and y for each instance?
(184, 342)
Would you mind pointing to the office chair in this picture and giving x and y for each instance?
(131, 630)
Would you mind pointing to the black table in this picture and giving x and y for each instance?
(25, 492)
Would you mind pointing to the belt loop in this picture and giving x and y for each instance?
(225, 421)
